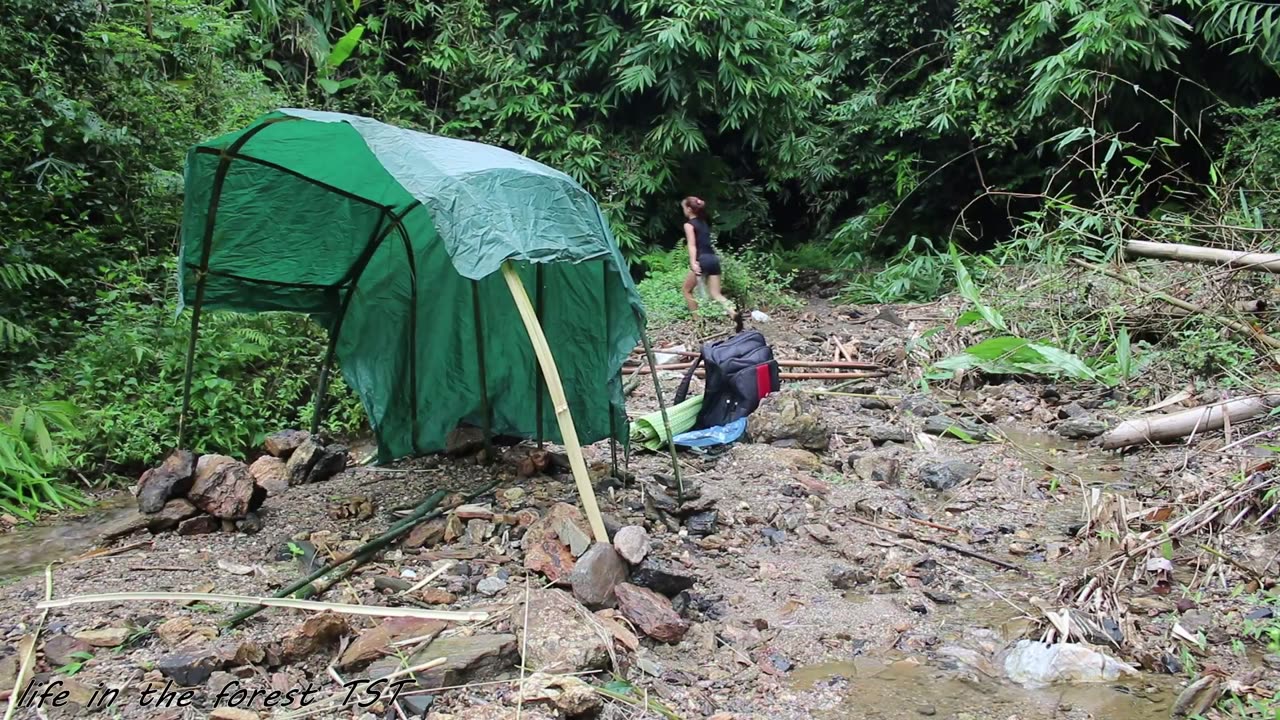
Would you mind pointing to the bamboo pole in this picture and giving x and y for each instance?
(1235, 259)
(1181, 424)
(1227, 322)
(558, 401)
(794, 375)
(662, 409)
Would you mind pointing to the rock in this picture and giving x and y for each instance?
(374, 642)
(127, 523)
(426, 534)
(920, 406)
(393, 584)
(846, 578)
(1197, 698)
(331, 461)
(559, 639)
(190, 669)
(702, 524)
(313, 635)
(181, 631)
(478, 531)
(632, 543)
(881, 434)
(171, 515)
(223, 487)
(820, 533)
(596, 574)
(59, 649)
(1081, 428)
(967, 658)
(172, 479)
(651, 612)
(1072, 410)
(773, 536)
(661, 577)
(939, 597)
(1035, 664)
(570, 695)
(876, 468)
(468, 659)
(270, 474)
(302, 461)
(219, 680)
(544, 552)
(491, 586)
(105, 637)
(283, 443)
(946, 474)
(436, 596)
(199, 525)
(785, 417)
(571, 534)
(464, 441)
(942, 425)
(416, 706)
(795, 457)
(248, 653)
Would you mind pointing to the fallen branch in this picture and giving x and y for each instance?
(370, 610)
(1262, 262)
(939, 543)
(1180, 424)
(1225, 322)
(805, 375)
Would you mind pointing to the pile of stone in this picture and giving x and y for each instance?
(209, 493)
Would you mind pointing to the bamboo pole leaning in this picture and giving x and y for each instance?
(1181, 424)
(560, 403)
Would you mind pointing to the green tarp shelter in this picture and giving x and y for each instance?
(393, 240)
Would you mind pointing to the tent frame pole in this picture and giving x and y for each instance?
(662, 407)
(540, 386)
(486, 409)
(206, 250)
(413, 331)
(555, 389)
(613, 414)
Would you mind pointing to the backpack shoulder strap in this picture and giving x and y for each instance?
(683, 391)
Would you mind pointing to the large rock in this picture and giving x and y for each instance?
(283, 443)
(375, 641)
(468, 659)
(190, 669)
(171, 479)
(199, 525)
(464, 441)
(651, 612)
(596, 574)
(787, 417)
(1081, 428)
(881, 434)
(269, 474)
(560, 638)
(171, 515)
(920, 406)
(60, 649)
(331, 462)
(313, 635)
(876, 468)
(661, 576)
(544, 551)
(223, 487)
(303, 459)
(946, 474)
(632, 543)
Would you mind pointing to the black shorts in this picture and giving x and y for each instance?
(710, 264)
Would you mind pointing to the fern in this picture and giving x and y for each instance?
(14, 277)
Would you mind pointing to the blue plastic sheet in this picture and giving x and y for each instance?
(712, 436)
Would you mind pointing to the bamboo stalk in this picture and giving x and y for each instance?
(1226, 322)
(851, 364)
(558, 401)
(1180, 424)
(1238, 260)
(944, 545)
(369, 610)
(801, 375)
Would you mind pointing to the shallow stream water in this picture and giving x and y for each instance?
(26, 549)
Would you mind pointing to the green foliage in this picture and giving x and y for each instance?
(15, 277)
(31, 456)
(912, 275)
(1203, 348)
(749, 279)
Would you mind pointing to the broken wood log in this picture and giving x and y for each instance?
(1235, 259)
(1181, 424)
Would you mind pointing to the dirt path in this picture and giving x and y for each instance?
(796, 609)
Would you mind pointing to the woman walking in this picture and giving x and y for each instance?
(703, 261)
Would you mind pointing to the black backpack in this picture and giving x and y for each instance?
(741, 371)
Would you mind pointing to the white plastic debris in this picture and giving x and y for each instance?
(668, 357)
(759, 316)
(1035, 664)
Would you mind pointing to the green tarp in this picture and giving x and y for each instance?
(308, 212)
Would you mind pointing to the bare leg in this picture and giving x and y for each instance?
(713, 289)
(690, 282)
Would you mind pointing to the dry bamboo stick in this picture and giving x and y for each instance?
(370, 610)
(851, 364)
(944, 545)
(807, 375)
(555, 389)
(1236, 259)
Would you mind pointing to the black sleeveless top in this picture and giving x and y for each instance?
(702, 236)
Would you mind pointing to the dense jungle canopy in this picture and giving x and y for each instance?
(825, 135)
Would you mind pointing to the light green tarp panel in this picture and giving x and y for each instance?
(312, 212)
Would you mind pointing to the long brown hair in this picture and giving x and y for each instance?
(697, 205)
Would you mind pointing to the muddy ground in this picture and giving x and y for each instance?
(796, 610)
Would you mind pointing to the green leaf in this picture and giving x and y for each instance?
(968, 318)
(329, 85)
(620, 687)
(344, 47)
(1065, 362)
